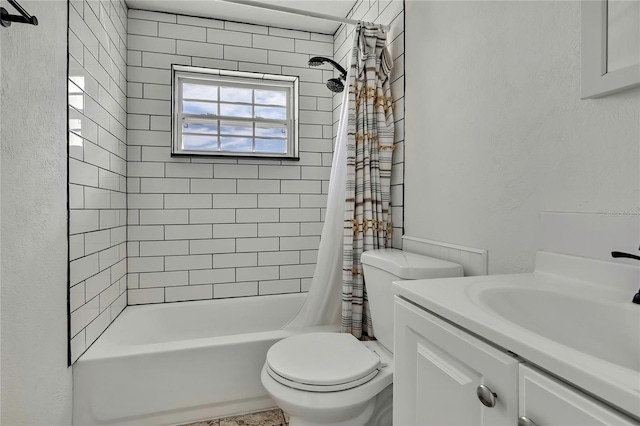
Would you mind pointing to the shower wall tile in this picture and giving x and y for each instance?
(279, 286)
(213, 228)
(390, 12)
(145, 296)
(97, 168)
(221, 291)
(184, 293)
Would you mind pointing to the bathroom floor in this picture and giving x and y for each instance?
(263, 418)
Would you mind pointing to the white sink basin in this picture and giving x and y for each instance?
(603, 329)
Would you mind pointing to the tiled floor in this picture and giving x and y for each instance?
(263, 418)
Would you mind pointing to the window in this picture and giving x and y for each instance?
(217, 112)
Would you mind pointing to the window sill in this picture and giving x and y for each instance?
(235, 157)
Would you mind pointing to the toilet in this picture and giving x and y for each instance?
(335, 379)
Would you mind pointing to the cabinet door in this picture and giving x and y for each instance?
(546, 401)
(438, 368)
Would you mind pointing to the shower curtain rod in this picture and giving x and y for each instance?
(294, 11)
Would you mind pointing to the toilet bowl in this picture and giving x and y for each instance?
(335, 379)
(354, 405)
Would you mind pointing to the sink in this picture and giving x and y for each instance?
(572, 317)
(605, 329)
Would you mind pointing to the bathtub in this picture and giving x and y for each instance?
(179, 362)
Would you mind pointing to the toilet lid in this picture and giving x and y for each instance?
(322, 359)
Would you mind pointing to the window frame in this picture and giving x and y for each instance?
(181, 74)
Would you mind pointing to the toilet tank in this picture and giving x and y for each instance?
(383, 266)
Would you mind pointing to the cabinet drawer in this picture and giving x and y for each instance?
(547, 401)
(438, 368)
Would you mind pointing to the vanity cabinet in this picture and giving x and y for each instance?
(439, 370)
(547, 401)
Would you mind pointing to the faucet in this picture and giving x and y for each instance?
(617, 254)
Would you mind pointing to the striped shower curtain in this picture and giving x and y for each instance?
(367, 222)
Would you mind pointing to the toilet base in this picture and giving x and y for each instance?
(359, 420)
(383, 411)
(378, 412)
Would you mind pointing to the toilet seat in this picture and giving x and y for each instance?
(322, 362)
(320, 388)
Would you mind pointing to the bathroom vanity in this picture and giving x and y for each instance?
(554, 347)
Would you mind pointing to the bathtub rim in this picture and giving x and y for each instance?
(106, 347)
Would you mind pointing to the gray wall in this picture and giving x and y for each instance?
(36, 383)
(496, 130)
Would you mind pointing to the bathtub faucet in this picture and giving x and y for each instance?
(617, 254)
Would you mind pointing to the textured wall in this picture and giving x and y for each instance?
(36, 383)
(496, 130)
(206, 228)
(388, 12)
(97, 167)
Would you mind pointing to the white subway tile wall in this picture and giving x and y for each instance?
(387, 12)
(97, 167)
(214, 228)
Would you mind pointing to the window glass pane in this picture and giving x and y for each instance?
(271, 130)
(76, 98)
(236, 144)
(77, 101)
(75, 140)
(199, 128)
(271, 97)
(234, 110)
(234, 94)
(235, 128)
(75, 125)
(73, 88)
(199, 108)
(271, 145)
(199, 91)
(199, 143)
(271, 112)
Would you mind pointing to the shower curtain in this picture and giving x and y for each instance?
(370, 134)
(322, 305)
(355, 220)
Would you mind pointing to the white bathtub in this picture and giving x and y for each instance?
(180, 362)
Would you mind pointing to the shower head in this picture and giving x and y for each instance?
(316, 61)
(335, 85)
